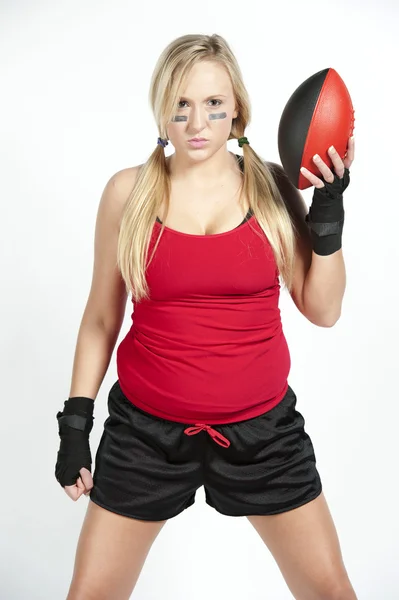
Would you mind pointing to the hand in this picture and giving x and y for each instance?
(73, 466)
(339, 165)
(83, 485)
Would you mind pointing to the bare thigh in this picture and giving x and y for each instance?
(305, 545)
(110, 554)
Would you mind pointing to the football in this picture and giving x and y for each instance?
(319, 114)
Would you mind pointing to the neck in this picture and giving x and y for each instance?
(203, 174)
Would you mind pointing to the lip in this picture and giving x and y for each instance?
(197, 143)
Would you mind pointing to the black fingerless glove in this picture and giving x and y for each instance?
(74, 426)
(326, 215)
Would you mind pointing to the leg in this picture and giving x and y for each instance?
(110, 555)
(305, 545)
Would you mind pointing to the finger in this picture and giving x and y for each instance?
(339, 166)
(85, 482)
(350, 153)
(86, 478)
(81, 489)
(323, 168)
(312, 178)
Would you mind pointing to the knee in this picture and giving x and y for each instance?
(329, 588)
(339, 589)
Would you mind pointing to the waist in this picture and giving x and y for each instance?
(190, 387)
(193, 415)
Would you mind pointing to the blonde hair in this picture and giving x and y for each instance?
(153, 182)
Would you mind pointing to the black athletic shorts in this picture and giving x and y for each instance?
(150, 468)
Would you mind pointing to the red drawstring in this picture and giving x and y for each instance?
(218, 437)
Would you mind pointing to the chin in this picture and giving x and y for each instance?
(196, 153)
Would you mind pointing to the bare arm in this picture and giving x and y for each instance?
(319, 281)
(105, 309)
(94, 349)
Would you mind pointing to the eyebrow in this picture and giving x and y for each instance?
(208, 98)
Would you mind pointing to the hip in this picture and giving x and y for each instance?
(245, 436)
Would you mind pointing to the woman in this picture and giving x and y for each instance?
(202, 396)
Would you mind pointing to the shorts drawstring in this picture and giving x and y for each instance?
(218, 437)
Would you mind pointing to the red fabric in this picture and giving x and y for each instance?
(208, 347)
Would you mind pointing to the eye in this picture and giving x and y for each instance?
(214, 100)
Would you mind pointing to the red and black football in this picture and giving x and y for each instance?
(319, 114)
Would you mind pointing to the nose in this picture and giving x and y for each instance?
(197, 119)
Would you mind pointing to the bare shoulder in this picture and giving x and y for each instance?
(107, 298)
(117, 190)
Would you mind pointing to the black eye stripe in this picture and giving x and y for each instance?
(211, 117)
(222, 115)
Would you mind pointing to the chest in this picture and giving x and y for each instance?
(222, 266)
(205, 212)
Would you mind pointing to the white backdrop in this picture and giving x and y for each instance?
(75, 78)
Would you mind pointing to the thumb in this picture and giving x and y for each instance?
(86, 478)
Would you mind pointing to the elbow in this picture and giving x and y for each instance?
(328, 321)
(321, 314)
(324, 320)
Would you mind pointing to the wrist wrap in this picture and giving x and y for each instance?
(326, 215)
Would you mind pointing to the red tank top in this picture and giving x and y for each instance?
(208, 346)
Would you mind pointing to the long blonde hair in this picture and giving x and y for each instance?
(153, 182)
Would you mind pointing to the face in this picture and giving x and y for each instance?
(205, 110)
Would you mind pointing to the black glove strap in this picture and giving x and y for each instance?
(77, 414)
(74, 421)
(323, 229)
